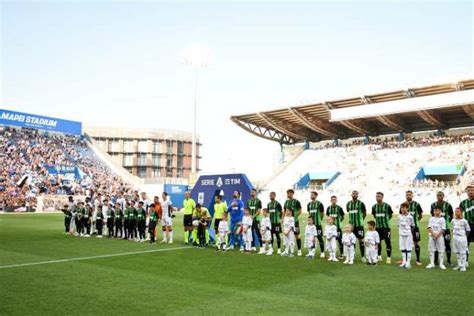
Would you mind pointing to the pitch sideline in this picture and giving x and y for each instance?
(91, 257)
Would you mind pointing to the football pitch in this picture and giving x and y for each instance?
(43, 271)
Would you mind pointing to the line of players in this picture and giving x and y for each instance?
(261, 227)
(127, 219)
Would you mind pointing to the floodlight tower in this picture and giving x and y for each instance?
(196, 57)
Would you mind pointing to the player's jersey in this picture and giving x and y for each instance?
(254, 205)
(467, 207)
(382, 213)
(349, 239)
(118, 214)
(202, 214)
(219, 209)
(153, 217)
(337, 213)
(372, 238)
(357, 212)
(110, 213)
(289, 223)
(236, 210)
(437, 224)
(189, 205)
(330, 231)
(405, 224)
(248, 221)
(275, 210)
(310, 232)
(316, 211)
(131, 214)
(414, 210)
(265, 222)
(141, 216)
(294, 205)
(166, 206)
(126, 215)
(223, 227)
(446, 211)
(460, 227)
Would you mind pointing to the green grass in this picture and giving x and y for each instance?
(195, 281)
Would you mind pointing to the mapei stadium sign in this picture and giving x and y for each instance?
(12, 118)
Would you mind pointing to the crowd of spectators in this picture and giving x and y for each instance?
(409, 141)
(26, 157)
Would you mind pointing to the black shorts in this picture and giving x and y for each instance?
(188, 220)
(216, 224)
(319, 230)
(297, 228)
(276, 229)
(384, 233)
(416, 234)
(359, 232)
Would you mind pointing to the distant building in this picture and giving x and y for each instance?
(148, 153)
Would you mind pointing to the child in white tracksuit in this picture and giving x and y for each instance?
(223, 232)
(289, 234)
(310, 235)
(459, 243)
(247, 222)
(405, 226)
(266, 233)
(330, 232)
(372, 242)
(348, 242)
(436, 228)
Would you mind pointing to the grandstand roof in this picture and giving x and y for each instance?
(313, 122)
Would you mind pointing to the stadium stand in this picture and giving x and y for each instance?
(35, 163)
(386, 165)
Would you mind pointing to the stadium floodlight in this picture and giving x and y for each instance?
(197, 57)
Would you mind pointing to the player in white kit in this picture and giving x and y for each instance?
(289, 234)
(372, 242)
(222, 233)
(247, 222)
(436, 228)
(266, 233)
(348, 242)
(310, 235)
(405, 225)
(167, 220)
(459, 243)
(330, 232)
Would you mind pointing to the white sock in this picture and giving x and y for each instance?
(408, 257)
(441, 258)
(170, 235)
(432, 257)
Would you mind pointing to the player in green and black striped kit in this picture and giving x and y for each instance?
(467, 207)
(448, 213)
(416, 211)
(357, 212)
(255, 206)
(316, 211)
(383, 213)
(295, 207)
(336, 212)
(275, 211)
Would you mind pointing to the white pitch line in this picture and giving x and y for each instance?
(89, 258)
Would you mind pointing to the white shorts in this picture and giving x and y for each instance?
(436, 245)
(166, 221)
(266, 235)
(248, 235)
(406, 242)
(309, 243)
(459, 244)
(147, 221)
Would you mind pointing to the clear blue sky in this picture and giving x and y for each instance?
(117, 64)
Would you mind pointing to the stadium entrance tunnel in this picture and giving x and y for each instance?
(445, 173)
(208, 186)
(317, 180)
